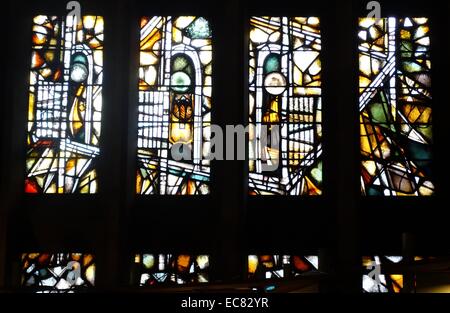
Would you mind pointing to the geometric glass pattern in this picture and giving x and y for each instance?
(174, 110)
(285, 100)
(395, 107)
(58, 272)
(281, 266)
(154, 269)
(65, 103)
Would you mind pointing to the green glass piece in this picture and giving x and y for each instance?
(380, 110)
(373, 192)
(412, 67)
(425, 130)
(180, 82)
(316, 173)
(406, 46)
(272, 64)
(378, 113)
(79, 58)
(143, 173)
(199, 29)
(179, 63)
(418, 151)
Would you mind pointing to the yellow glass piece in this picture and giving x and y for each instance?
(75, 256)
(370, 166)
(366, 22)
(92, 186)
(364, 81)
(99, 26)
(301, 20)
(89, 21)
(313, 21)
(148, 42)
(150, 75)
(206, 57)
(312, 189)
(315, 68)
(425, 191)
(258, 36)
(275, 36)
(420, 20)
(404, 34)
(177, 35)
(201, 43)
(252, 263)
(183, 21)
(31, 100)
(183, 262)
(138, 184)
(90, 274)
(87, 258)
(202, 261)
(399, 282)
(367, 261)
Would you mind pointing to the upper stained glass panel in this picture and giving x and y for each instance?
(65, 104)
(174, 110)
(285, 99)
(395, 106)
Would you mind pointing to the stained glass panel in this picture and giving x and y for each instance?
(390, 274)
(375, 280)
(154, 269)
(65, 104)
(281, 266)
(58, 272)
(395, 106)
(174, 106)
(285, 97)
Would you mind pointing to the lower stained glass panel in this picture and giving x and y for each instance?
(281, 266)
(155, 269)
(374, 280)
(58, 272)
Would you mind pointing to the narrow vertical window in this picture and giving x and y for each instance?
(285, 98)
(65, 104)
(174, 106)
(395, 106)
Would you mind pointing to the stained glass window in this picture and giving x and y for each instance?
(174, 106)
(180, 269)
(285, 97)
(395, 106)
(65, 104)
(58, 272)
(281, 266)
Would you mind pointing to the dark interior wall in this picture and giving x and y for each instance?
(115, 223)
